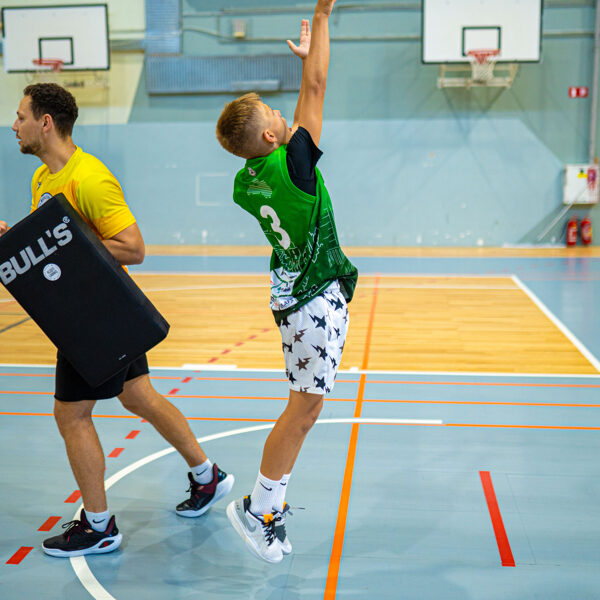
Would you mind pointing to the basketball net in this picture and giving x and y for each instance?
(482, 64)
(52, 64)
(47, 70)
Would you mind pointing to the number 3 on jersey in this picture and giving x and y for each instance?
(266, 212)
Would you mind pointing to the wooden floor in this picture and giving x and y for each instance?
(477, 421)
(419, 323)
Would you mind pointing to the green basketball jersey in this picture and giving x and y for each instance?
(301, 229)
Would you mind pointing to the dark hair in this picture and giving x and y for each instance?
(52, 99)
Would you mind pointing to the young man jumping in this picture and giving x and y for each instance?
(311, 278)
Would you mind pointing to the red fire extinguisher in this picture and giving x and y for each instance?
(586, 231)
(572, 227)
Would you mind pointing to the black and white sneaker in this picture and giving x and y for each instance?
(202, 497)
(79, 539)
(258, 532)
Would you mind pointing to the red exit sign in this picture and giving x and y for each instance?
(579, 91)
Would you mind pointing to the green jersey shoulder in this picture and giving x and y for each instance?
(300, 229)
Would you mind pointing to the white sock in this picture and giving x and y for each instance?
(98, 521)
(281, 490)
(263, 495)
(203, 473)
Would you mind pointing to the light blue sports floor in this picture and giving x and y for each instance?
(408, 502)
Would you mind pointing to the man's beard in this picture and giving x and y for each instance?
(30, 149)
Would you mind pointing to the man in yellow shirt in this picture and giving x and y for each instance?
(44, 125)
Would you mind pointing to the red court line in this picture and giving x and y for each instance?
(239, 343)
(49, 523)
(335, 557)
(186, 380)
(506, 555)
(115, 452)
(132, 434)
(173, 392)
(73, 497)
(19, 555)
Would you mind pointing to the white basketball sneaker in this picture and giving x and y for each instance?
(258, 533)
(280, 532)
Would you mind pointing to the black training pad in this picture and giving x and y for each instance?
(93, 311)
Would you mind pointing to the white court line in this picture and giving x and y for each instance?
(357, 371)
(373, 274)
(399, 286)
(79, 563)
(350, 371)
(383, 286)
(559, 324)
(225, 286)
(264, 274)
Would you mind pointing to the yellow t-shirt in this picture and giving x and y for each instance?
(90, 188)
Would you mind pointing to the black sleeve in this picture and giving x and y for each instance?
(302, 157)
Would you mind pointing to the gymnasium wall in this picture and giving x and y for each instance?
(126, 18)
(406, 163)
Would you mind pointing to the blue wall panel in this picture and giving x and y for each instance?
(393, 182)
(406, 163)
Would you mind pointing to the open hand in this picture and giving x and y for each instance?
(302, 49)
(3, 227)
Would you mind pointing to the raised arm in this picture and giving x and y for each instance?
(309, 109)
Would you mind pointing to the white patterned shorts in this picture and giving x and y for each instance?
(313, 339)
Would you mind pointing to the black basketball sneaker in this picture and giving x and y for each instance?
(79, 539)
(202, 497)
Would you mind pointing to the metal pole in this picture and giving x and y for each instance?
(594, 109)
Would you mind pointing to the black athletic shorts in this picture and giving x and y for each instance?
(72, 387)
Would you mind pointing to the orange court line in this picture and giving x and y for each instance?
(488, 425)
(262, 379)
(377, 381)
(362, 400)
(335, 558)
(220, 397)
(26, 392)
(488, 403)
(26, 374)
(493, 383)
(503, 426)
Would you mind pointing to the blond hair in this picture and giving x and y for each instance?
(240, 125)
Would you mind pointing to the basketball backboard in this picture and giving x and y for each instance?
(453, 28)
(75, 34)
